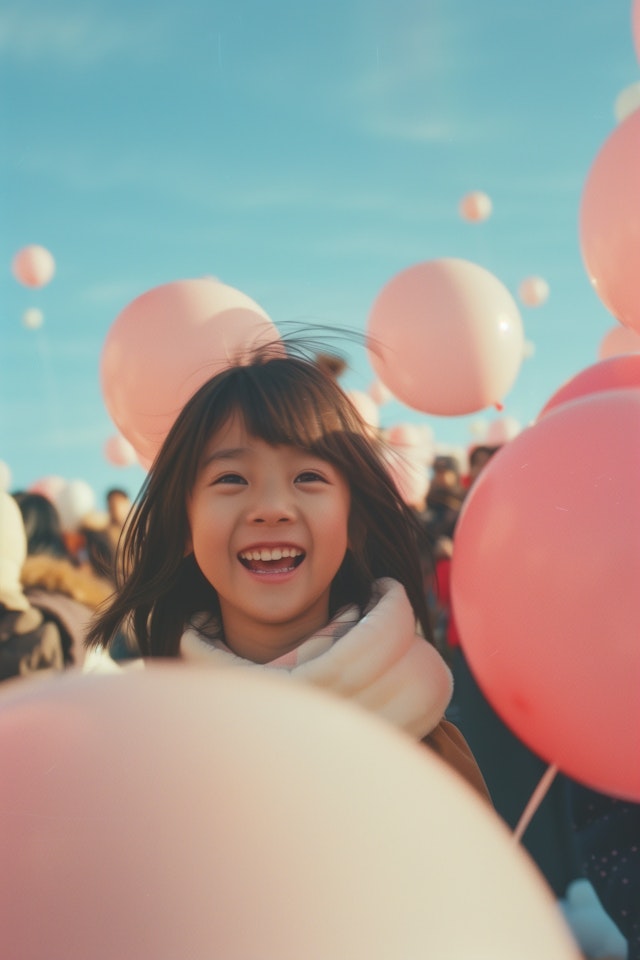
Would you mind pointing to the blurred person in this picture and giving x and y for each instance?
(28, 643)
(66, 593)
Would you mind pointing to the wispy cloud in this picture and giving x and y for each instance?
(34, 33)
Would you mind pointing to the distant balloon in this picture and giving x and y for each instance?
(379, 393)
(366, 406)
(5, 477)
(627, 101)
(165, 344)
(33, 318)
(445, 336)
(33, 266)
(528, 349)
(475, 207)
(74, 501)
(533, 291)
(609, 216)
(49, 486)
(501, 431)
(119, 451)
(619, 340)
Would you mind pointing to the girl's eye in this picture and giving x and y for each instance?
(230, 478)
(310, 476)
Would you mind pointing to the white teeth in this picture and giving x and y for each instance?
(273, 553)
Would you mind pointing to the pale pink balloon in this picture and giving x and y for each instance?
(165, 344)
(501, 431)
(619, 340)
(446, 337)
(475, 206)
(533, 291)
(366, 406)
(74, 501)
(615, 373)
(49, 486)
(33, 266)
(635, 26)
(119, 451)
(609, 217)
(545, 588)
(175, 813)
(379, 393)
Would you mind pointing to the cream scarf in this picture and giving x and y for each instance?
(378, 660)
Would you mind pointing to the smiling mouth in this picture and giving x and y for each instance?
(272, 560)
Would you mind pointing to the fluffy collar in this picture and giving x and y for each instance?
(378, 660)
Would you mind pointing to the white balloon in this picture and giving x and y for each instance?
(75, 501)
(627, 101)
(33, 318)
(5, 477)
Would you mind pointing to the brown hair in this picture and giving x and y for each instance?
(282, 400)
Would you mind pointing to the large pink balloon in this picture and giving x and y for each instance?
(446, 337)
(545, 577)
(173, 813)
(618, 340)
(616, 373)
(635, 25)
(164, 345)
(33, 266)
(609, 222)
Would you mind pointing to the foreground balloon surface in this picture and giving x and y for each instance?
(171, 813)
(545, 587)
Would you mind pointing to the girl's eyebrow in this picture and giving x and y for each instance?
(229, 453)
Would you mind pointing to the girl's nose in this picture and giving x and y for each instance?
(272, 504)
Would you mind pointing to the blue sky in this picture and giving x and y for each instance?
(301, 152)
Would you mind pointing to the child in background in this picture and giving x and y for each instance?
(269, 535)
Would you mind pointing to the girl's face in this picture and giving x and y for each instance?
(268, 529)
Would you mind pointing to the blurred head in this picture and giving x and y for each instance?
(118, 505)
(42, 525)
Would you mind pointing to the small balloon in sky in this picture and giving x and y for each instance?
(33, 318)
(627, 101)
(619, 340)
(119, 452)
(379, 393)
(528, 349)
(533, 291)
(475, 207)
(33, 266)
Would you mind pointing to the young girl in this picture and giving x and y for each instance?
(269, 535)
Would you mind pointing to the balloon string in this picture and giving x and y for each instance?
(535, 800)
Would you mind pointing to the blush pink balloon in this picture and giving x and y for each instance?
(618, 340)
(379, 393)
(445, 336)
(545, 588)
(119, 451)
(49, 487)
(165, 344)
(533, 291)
(147, 818)
(615, 373)
(635, 26)
(475, 207)
(33, 266)
(609, 217)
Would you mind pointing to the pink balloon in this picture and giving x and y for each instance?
(618, 340)
(49, 487)
(379, 393)
(635, 26)
(545, 588)
(533, 291)
(475, 207)
(174, 812)
(165, 344)
(445, 336)
(33, 266)
(616, 373)
(609, 215)
(119, 451)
